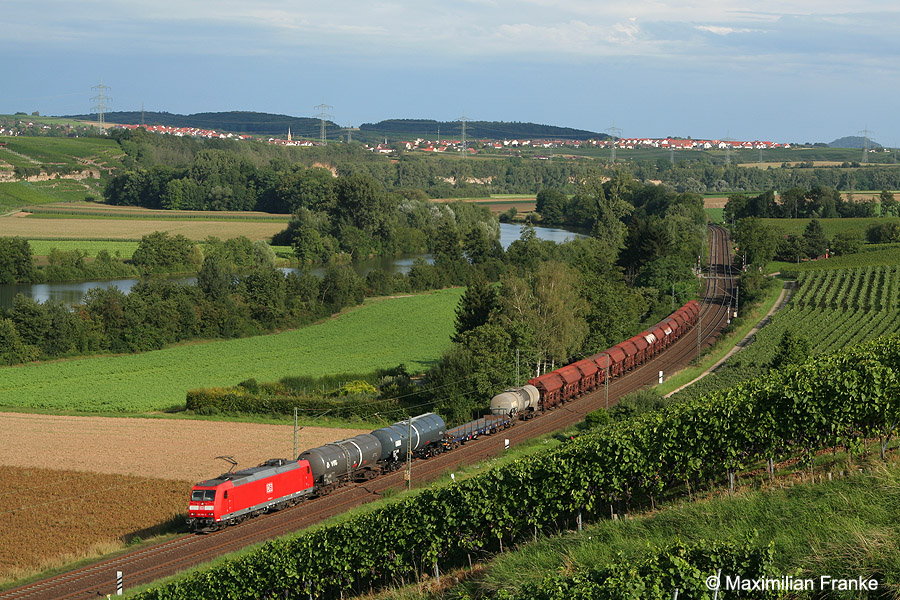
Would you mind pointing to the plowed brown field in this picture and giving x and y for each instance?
(51, 517)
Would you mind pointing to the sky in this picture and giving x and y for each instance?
(778, 70)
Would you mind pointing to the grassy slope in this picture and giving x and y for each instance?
(385, 332)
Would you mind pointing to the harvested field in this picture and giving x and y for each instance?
(49, 517)
(176, 449)
(130, 229)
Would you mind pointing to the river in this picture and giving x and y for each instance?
(72, 292)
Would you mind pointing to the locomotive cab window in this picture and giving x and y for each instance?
(203, 495)
(226, 494)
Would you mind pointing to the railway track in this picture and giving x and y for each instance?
(152, 563)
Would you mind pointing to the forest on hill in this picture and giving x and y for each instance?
(492, 130)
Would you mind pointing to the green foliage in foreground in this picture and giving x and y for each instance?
(682, 567)
(860, 507)
(835, 400)
(359, 341)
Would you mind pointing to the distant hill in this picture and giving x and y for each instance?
(428, 129)
(854, 141)
(253, 123)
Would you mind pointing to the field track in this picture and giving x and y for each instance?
(165, 559)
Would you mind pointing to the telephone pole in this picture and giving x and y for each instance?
(323, 115)
(101, 100)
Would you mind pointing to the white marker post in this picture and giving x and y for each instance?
(660, 376)
(119, 583)
(506, 444)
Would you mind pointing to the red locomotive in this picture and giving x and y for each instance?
(233, 497)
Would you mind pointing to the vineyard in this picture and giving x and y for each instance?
(830, 308)
(837, 400)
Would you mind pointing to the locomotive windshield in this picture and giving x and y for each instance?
(203, 495)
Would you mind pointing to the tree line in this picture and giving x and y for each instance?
(818, 202)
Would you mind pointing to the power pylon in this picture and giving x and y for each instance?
(463, 118)
(865, 133)
(101, 99)
(323, 115)
(616, 133)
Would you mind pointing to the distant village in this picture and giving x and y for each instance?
(438, 146)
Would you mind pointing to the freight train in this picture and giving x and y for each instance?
(279, 483)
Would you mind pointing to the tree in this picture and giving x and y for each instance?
(215, 278)
(476, 306)
(790, 248)
(160, 252)
(756, 240)
(846, 242)
(612, 207)
(888, 204)
(814, 241)
(551, 205)
(16, 264)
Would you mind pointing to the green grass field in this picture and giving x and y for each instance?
(716, 215)
(413, 330)
(89, 247)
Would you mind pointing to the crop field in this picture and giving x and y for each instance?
(92, 514)
(413, 330)
(122, 229)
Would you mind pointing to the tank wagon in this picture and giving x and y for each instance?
(277, 483)
(521, 401)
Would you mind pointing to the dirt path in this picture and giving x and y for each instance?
(782, 301)
(165, 448)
